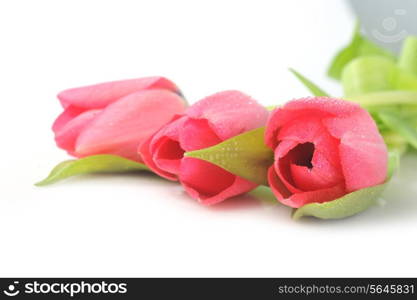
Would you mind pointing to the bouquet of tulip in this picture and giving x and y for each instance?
(322, 156)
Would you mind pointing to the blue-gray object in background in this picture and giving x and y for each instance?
(387, 22)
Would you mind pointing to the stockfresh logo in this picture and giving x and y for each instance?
(12, 289)
(71, 289)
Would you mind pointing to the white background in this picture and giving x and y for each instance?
(140, 225)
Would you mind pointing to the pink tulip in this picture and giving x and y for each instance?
(204, 124)
(324, 148)
(115, 117)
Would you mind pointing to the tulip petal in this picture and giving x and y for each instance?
(324, 167)
(301, 130)
(168, 155)
(277, 186)
(197, 134)
(363, 153)
(170, 130)
(209, 183)
(281, 164)
(102, 94)
(283, 148)
(319, 107)
(327, 166)
(67, 115)
(312, 179)
(146, 155)
(282, 168)
(311, 130)
(123, 125)
(206, 178)
(364, 162)
(156, 160)
(67, 131)
(360, 123)
(229, 113)
(317, 196)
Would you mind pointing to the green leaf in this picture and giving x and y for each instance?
(244, 155)
(393, 162)
(358, 46)
(369, 74)
(408, 57)
(346, 206)
(264, 194)
(400, 125)
(313, 88)
(387, 98)
(103, 163)
(395, 142)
